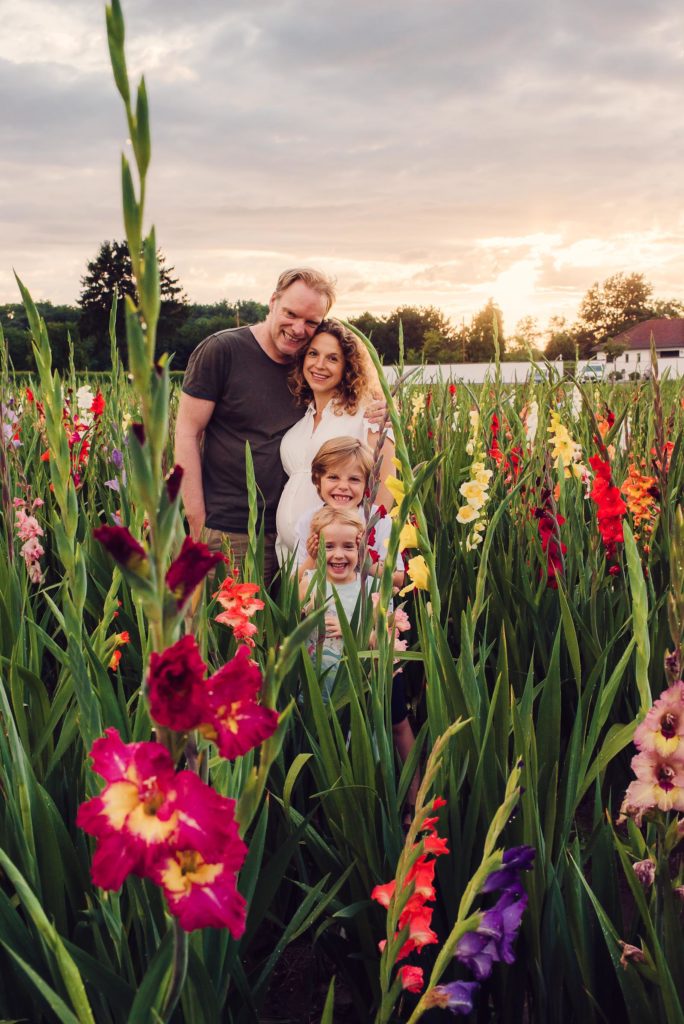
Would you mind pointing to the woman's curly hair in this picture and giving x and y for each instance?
(359, 378)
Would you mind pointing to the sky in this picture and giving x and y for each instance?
(435, 153)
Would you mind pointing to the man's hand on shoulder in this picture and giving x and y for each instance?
(376, 411)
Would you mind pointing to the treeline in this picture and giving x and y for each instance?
(428, 335)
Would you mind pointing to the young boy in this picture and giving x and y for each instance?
(340, 530)
(340, 472)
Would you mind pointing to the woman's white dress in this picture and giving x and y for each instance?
(297, 450)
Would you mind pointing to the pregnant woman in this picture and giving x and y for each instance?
(335, 376)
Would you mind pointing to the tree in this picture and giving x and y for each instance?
(483, 328)
(561, 340)
(111, 273)
(609, 308)
(526, 340)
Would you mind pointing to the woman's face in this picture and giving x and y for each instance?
(323, 367)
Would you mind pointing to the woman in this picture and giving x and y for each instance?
(335, 376)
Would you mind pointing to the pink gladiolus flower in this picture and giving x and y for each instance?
(240, 604)
(236, 722)
(659, 783)
(662, 731)
(382, 894)
(645, 872)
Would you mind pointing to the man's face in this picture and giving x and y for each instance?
(292, 319)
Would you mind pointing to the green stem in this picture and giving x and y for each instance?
(179, 969)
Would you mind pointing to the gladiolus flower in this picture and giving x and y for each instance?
(98, 404)
(411, 978)
(396, 488)
(408, 538)
(114, 661)
(382, 894)
(418, 573)
(240, 604)
(193, 563)
(237, 723)
(631, 955)
(466, 514)
(662, 730)
(203, 894)
(173, 483)
(176, 687)
(659, 783)
(123, 547)
(457, 996)
(645, 872)
(518, 858)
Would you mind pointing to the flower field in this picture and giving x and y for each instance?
(189, 833)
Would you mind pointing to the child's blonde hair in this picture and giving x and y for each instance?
(327, 516)
(336, 451)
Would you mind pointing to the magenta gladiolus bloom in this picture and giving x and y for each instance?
(202, 893)
(236, 722)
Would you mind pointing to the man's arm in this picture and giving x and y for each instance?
(193, 416)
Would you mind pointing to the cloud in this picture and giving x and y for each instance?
(437, 153)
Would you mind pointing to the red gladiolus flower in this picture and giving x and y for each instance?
(45, 457)
(98, 406)
(452, 389)
(29, 395)
(411, 978)
(194, 562)
(123, 547)
(236, 722)
(374, 556)
(549, 531)
(114, 661)
(176, 685)
(610, 506)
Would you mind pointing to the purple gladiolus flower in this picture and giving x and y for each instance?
(518, 858)
(112, 484)
(117, 458)
(457, 996)
(510, 908)
(478, 953)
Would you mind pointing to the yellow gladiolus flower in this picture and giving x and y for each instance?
(408, 538)
(396, 488)
(418, 573)
(483, 476)
(471, 489)
(466, 514)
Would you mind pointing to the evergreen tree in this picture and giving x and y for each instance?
(111, 273)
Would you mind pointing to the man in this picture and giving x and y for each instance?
(235, 390)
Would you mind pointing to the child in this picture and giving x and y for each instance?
(340, 472)
(340, 530)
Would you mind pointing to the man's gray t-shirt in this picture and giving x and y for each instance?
(253, 403)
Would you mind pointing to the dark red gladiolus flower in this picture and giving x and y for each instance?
(139, 433)
(122, 546)
(194, 562)
(173, 482)
(549, 533)
(176, 686)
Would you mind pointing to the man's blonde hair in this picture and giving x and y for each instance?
(314, 279)
(336, 451)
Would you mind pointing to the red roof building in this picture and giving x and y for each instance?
(668, 335)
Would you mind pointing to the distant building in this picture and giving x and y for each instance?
(668, 335)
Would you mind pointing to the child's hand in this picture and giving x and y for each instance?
(333, 630)
(312, 545)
